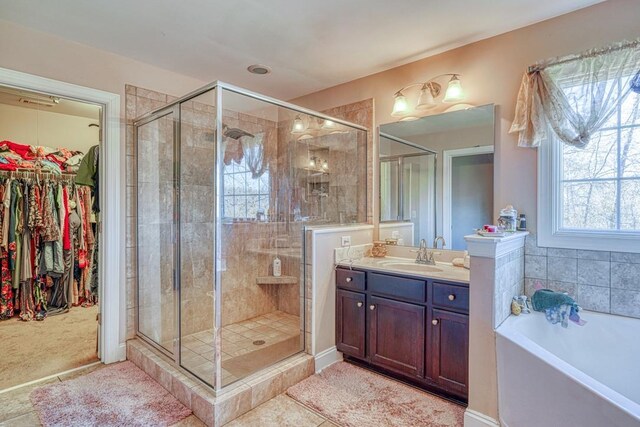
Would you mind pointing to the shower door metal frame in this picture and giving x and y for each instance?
(399, 160)
(174, 108)
(226, 86)
(174, 111)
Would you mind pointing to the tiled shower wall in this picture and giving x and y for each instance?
(360, 113)
(243, 298)
(138, 101)
(607, 282)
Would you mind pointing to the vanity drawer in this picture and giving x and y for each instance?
(400, 287)
(451, 296)
(350, 279)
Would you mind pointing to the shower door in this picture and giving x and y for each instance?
(156, 210)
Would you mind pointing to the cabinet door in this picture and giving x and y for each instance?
(449, 351)
(350, 323)
(396, 335)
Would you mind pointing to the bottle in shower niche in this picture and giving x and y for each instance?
(277, 267)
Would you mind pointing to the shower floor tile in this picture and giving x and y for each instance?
(246, 346)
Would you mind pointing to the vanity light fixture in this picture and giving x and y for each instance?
(454, 91)
(325, 165)
(429, 92)
(312, 162)
(400, 105)
(328, 124)
(298, 126)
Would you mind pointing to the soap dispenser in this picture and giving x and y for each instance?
(277, 267)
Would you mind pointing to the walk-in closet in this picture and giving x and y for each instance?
(49, 234)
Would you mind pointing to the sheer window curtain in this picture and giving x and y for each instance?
(254, 154)
(575, 95)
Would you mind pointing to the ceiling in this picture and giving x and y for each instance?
(310, 45)
(41, 102)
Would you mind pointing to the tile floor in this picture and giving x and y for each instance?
(277, 331)
(281, 411)
(16, 409)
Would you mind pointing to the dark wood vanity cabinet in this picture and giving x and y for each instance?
(413, 328)
(449, 357)
(350, 322)
(397, 335)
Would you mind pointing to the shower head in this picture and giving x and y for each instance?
(234, 133)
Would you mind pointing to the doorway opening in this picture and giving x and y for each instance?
(468, 191)
(50, 233)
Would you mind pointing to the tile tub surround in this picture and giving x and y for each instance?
(216, 409)
(608, 282)
(509, 280)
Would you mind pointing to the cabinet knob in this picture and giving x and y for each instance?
(452, 297)
(348, 279)
(359, 304)
(434, 322)
(372, 307)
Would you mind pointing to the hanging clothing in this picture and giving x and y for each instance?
(88, 168)
(71, 257)
(6, 289)
(48, 240)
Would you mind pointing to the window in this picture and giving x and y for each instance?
(243, 195)
(590, 198)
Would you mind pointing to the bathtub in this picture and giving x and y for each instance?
(579, 376)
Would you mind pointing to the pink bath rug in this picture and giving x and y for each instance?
(354, 397)
(116, 395)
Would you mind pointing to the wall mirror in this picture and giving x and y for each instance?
(436, 177)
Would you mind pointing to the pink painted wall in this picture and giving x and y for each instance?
(41, 54)
(491, 71)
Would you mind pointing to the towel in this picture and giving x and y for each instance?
(546, 298)
(458, 262)
(558, 307)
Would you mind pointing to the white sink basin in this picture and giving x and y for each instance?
(410, 266)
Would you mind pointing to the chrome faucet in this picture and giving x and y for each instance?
(424, 256)
(435, 242)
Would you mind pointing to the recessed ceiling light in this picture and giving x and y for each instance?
(258, 69)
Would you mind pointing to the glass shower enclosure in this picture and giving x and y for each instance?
(227, 182)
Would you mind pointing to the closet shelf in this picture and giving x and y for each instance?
(271, 280)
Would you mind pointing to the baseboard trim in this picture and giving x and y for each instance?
(48, 377)
(476, 419)
(326, 358)
(122, 352)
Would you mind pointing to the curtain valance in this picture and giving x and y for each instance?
(575, 95)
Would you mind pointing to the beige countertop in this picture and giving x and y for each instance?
(442, 270)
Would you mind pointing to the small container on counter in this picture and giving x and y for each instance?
(379, 249)
(508, 219)
(522, 223)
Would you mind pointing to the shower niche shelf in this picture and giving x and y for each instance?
(272, 280)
